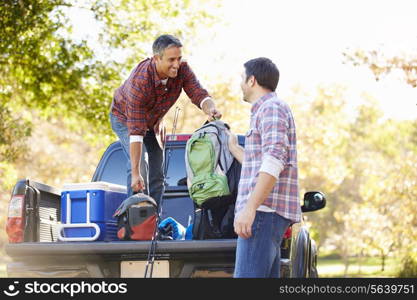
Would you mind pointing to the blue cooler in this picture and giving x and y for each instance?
(87, 211)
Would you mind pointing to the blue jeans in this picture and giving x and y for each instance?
(154, 184)
(259, 256)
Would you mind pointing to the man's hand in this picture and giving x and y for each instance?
(214, 114)
(234, 147)
(137, 183)
(243, 222)
(244, 219)
(160, 132)
(157, 126)
(211, 111)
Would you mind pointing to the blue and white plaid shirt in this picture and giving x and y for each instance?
(270, 145)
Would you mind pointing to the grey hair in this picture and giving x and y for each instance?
(163, 42)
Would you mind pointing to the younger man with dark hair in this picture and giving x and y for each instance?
(268, 200)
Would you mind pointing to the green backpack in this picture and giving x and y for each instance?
(207, 161)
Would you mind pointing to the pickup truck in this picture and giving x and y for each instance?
(35, 251)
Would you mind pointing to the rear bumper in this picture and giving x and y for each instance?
(102, 259)
(207, 258)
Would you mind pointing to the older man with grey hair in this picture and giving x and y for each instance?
(141, 102)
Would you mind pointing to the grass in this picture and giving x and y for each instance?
(3, 263)
(3, 273)
(368, 267)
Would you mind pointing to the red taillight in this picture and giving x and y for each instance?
(288, 233)
(15, 221)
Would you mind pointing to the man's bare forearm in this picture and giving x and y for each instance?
(238, 152)
(135, 157)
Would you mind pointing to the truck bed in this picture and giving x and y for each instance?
(42, 255)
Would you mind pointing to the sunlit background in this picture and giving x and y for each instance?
(306, 39)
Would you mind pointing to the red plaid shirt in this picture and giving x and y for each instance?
(142, 99)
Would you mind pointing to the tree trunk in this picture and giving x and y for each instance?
(360, 259)
(383, 256)
(346, 263)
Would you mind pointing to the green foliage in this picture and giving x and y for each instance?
(56, 89)
(366, 166)
(13, 134)
(39, 67)
(388, 169)
(322, 139)
(43, 67)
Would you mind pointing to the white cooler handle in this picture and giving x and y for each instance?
(78, 225)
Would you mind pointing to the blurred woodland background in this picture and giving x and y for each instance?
(56, 89)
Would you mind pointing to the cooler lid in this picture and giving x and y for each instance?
(98, 185)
